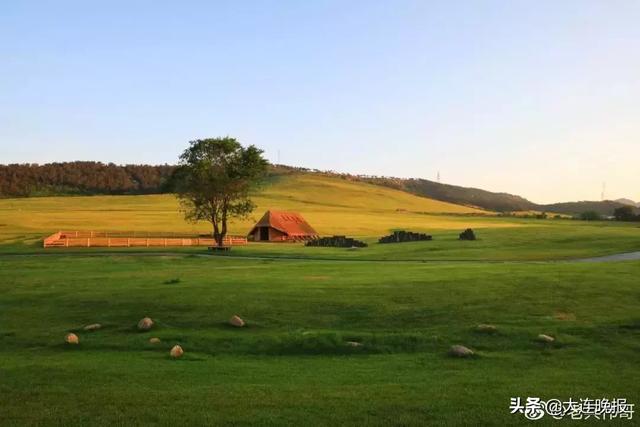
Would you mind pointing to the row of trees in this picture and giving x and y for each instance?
(623, 213)
(22, 180)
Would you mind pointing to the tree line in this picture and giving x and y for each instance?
(86, 178)
(623, 213)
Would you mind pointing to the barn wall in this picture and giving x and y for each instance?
(275, 235)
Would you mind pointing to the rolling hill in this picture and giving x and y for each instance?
(93, 178)
(500, 202)
(331, 204)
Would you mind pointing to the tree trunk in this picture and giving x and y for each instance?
(217, 235)
(224, 226)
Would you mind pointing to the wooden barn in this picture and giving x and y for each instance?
(280, 226)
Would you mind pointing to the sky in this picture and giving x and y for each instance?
(536, 98)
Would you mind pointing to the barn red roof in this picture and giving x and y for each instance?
(290, 223)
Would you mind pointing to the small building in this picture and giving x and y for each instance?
(280, 226)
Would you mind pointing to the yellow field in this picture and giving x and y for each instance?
(331, 205)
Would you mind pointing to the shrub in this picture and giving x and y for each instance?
(468, 234)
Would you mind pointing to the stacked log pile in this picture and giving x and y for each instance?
(404, 236)
(337, 242)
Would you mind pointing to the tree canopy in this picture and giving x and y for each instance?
(626, 213)
(213, 181)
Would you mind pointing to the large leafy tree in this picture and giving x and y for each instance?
(625, 213)
(213, 180)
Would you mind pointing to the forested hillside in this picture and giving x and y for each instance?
(22, 180)
(500, 202)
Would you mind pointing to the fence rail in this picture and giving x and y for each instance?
(68, 239)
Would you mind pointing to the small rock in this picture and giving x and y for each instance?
(486, 328)
(236, 321)
(72, 339)
(460, 351)
(145, 324)
(154, 340)
(176, 352)
(546, 338)
(93, 327)
(354, 344)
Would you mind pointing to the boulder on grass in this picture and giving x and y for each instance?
(460, 351)
(354, 344)
(236, 321)
(545, 338)
(145, 324)
(72, 339)
(93, 327)
(176, 352)
(488, 329)
(154, 340)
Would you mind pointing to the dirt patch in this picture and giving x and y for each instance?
(564, 316)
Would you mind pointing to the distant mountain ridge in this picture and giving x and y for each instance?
(469, 196)
(501, 202)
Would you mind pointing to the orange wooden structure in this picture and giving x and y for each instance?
(280, 226)
(87, 239)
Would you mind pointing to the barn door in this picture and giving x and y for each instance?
(264, 233)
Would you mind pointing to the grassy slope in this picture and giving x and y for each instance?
(291, 365)
(333, 206)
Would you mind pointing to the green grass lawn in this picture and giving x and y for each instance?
(532, 240)
(291, 364)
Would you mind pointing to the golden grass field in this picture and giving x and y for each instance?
(331, 205)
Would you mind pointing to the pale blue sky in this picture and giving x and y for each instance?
(538, 98)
